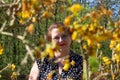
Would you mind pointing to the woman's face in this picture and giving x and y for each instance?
(61, 38)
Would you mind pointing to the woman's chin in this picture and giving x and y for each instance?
(62, 48)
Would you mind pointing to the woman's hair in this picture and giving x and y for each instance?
(57, 25)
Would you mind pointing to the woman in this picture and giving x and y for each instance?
(51, 70)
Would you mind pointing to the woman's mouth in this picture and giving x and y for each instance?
(61, 44)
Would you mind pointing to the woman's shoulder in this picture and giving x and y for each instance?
(45, 60)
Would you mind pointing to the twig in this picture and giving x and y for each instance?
(7, 5)
(13, 35)
(100, 75)
(112, 66)
(4, 68)
(24, 61)
(29, 52)
(3, 26)
(23, 40)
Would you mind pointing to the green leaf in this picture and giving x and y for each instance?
(93, 63)
(70, 1)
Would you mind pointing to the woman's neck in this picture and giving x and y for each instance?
(60, 54)
(60, 57)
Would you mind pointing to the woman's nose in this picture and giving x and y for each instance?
(61, 39)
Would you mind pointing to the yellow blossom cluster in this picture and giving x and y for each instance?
(67, 20)
(12, 66)
(68, 64)
(50, 75)
(115, 41)
(9, 66)
(30, 28)
(14, 75)
(106, 60)
(116, 57)
(28, 10)
(89, 30)
(50, 7)
(75, 8)
(31, 8)
(49, 50)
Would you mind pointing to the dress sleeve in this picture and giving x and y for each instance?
(34, 73)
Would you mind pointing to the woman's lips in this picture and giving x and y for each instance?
(61, 44)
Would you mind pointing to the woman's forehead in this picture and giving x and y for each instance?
(57, 30)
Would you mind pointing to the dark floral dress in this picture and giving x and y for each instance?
(75, 72)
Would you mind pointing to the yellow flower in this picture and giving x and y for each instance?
(66, 66)
(47, 14)
(106, 60)
(89, 42)
(92, 27)
(26, 14)
(98, 45)
(113, 76)
(14, 74)
(34, 1)
(19, 13)
(75, 8)
(49, 50)
(13, 67)
(51, 8)
(30, 28)
(1, 50)
(103, 10)
(112, 44)
(117, 47)
(76, 26)
(72, 62)
(43, 54)
(117, 58)
(74, 35)
(24, 6)
(50, 75)
(67, 20)
(66, 61)
(85, 47)
(110, 13)
(34, 19)
(60, 29)
(22, 21)
(115, 35)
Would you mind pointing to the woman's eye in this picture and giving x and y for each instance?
(64, 36)
(56, 38)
